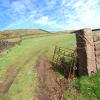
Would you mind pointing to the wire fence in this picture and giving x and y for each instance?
(68, 59)
(65, 60)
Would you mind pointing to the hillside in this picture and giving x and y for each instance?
(21, 32)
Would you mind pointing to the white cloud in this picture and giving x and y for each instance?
(50, 3)
(44, 20)
(12, 25)
(17, 7)
(83, 13)
(61, 14)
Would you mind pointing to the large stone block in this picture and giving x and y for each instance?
(97, 52)
(96, 37)
(86, 53)
(98, 61)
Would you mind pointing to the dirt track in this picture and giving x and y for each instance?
(11, 75)
(50, 88)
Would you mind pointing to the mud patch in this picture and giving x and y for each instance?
(50, 87)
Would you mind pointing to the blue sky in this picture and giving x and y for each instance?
(49, 14)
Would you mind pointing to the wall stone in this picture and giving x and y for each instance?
(86, 53)
(97, 48)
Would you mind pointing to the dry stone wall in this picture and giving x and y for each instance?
(5, 45)
(97, 48)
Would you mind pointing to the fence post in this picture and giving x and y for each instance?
(85, 51)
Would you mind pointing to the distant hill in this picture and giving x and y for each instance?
(22, 32)
(61, 32)
(97, 31)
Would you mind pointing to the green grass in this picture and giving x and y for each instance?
(26, 82)
(89, 87)
(25, 56)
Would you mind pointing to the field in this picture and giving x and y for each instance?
(23, 58)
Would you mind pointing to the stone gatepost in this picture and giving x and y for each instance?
(85, 51)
